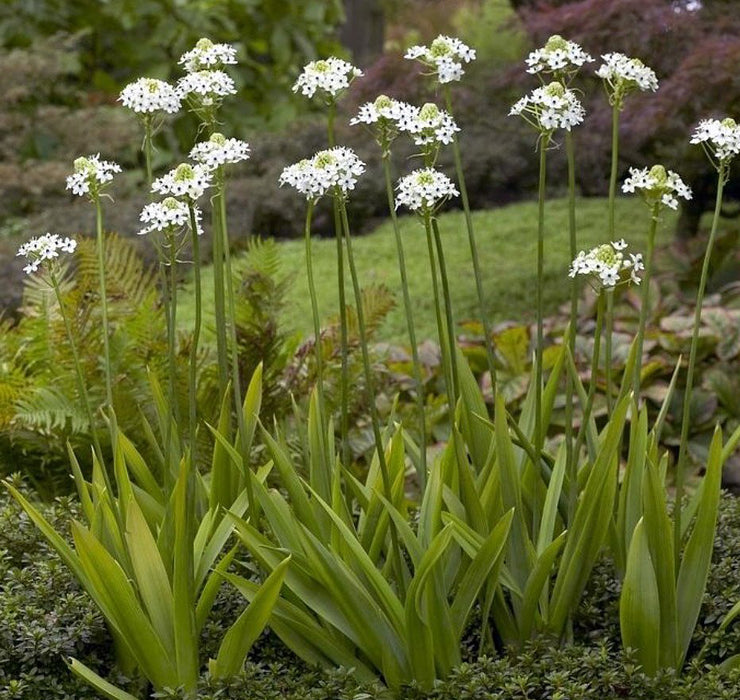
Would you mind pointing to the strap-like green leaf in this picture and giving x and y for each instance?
(99, 683)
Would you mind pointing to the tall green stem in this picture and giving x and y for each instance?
(84, 397)
(148, 151)
(583, 430)
(230, 326)
(473, 246)
(408, 309)
(441, 330)
(448, 311)
(193, 375)
(608, 358)
(104, 302)
(218, 220)
(645, 302)
(571, 458)
(344, 338)
(538, 436)
(614, 166)
(686, 413)
(370, 390)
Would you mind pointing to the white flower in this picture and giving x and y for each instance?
(550, 107)
(330, 75)
(424, 190)
(219, 150)
(623, 75)
(42, 250)
(721, 139)
(429, 125)
(186, 181)
(148, 95)
(169, 215)
(444, 56)
(90, 175)
(334, 171)
(607, 265)
(208, 56)
(206, 86)
(558, 57)
(658, 186)
(383, 109)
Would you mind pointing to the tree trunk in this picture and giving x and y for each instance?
(363, 31)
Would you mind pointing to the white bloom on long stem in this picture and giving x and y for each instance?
(333, 171)
(657, 186)
(558, 57)
(383, 109)
(550, 107)
(208, 56)
(444, 57)
(622, 75)
(328, 75)
(607, 265)
(186, 181)
(170, 215)
(90, 175)
(720, 139)
(425, 190)
(430, 125)
(219, 150)
(148, 96)
(206, 86)
(43, 250)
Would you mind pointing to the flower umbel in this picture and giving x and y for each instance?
(425, 190)
(170, 215)
(444, 57)
(558, 57)
(607, 265)
(90, 175)
(219, 150)
(622, 75)
(208, 56)
(550, 107)
(333, 171)
(385, 118)
(430, 125)
(43, 250)
(329, 76)
(720, 140)
(186, 181)
(658, 186)
(206, 87)
(148, 96)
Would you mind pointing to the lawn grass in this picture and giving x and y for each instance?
(507, 240)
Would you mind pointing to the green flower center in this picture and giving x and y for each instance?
(658, 172)
(204, 44)
(170, 203)
(425, 179)
(321, 66)
(152, 85)
(83, 165)
(555, 90)
(729, 122)
(382, 102)
(607, 255)
(556, 43)
(184, 172)
(439, 48)
(429, 111)
(218, 139)
(323, 160)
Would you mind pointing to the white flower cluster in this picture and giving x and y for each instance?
(186, 181)
(720, 138)
(658, 186)
(329, 75)
(330, 171)
(208, 86)
(384, 110)
(424, 190)
(148, 95)
(208, 56)
(168, 215)
(43, 249)
(607, 264)
(624, 74)
(557, 57)
(90, 175)
(444, 56)
(429, 125)
(550, 107)
(219, 150)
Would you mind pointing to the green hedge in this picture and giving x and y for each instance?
(44, 617)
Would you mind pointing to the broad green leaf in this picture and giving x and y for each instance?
(100, 684)
(220, 491)
(639, 604)
(319, 465)
(550, 509)
(478, 440)
(140, 469)
(697, 557)
(240, 637)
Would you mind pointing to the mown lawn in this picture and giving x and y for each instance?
(507, 240)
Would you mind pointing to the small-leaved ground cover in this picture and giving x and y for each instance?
(507, 250)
